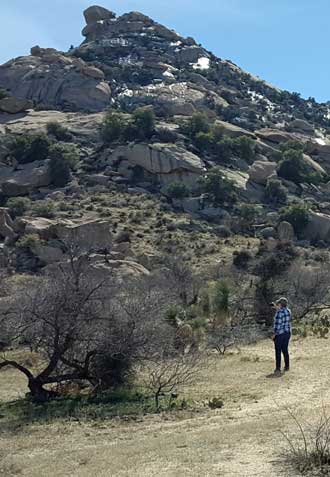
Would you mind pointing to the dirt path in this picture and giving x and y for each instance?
(242, 439)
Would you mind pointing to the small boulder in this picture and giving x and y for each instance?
(261, 171)
(268, 232)
(285, 232)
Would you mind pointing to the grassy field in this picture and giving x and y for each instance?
(241, 439)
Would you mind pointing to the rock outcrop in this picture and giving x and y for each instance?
(13, 105)
(54, 80)
(29, 177)
(166, 162)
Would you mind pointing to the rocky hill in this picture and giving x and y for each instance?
(192, 151)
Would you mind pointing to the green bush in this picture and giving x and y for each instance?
(28, 241)
(177, 190)
(144, 122)
(214, 141)
(117, 126)
(248, 214)
(113, 127)
(293, 168)
(63, 159)
(218, 187)
(29, 148)
(43, 208)
(18, 206)
(297, 216)
(59, 132)
(245, 148)
(198, 123)
(275, 192)
(3, 93)
(241, 258)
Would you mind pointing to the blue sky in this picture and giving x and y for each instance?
(283, 41)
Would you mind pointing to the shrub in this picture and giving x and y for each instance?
(117, 127)
(18, 206)
(197, 123)
(167, 135)
(28, 241)
(3, 93)
(177, 190)
(218, 187)
(29, 148)
(241, 258)
(144, 122)
(113, 127)
(223, 231)
(63, 159)
(294, 168)
(309, 449)
(224, 148)
(275, 192)
(297, 216)
(60, 132)
(245, 148)
(248, 214)
(43, 208)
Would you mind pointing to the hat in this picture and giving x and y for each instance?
(282, 301)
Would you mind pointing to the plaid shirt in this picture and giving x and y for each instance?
(282, 321)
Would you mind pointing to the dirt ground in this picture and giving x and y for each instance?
(241, 439)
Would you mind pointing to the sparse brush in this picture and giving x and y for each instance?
(309, 449)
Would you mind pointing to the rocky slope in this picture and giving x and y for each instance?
(132, 61)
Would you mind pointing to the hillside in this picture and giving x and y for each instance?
(154, 201)
(131, 62)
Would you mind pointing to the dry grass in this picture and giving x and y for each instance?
(242, 439)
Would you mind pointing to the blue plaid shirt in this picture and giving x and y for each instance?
(282, 321)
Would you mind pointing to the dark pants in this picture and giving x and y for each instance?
(281, 346)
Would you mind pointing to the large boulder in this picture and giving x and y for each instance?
(103, 269)
(167, 162)
(261, 171)
(35, 225)
(315, 166)
(14, 105)
(302, 126)
(6, 225)
(232, 130)
(274, 135)
(29, 177)
(318, 227)
(53, 80)
(86, 234)
(84, 126)
(95, 14)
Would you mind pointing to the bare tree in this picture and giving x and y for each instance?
(167, 374)
(59, 316)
